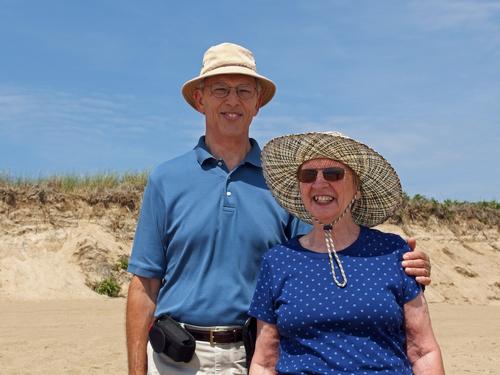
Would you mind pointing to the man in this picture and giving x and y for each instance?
(206, 219)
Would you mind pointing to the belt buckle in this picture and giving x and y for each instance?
(211, 332)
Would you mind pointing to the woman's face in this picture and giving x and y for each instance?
(326, 200)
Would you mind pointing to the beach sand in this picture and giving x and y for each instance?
(88, 337)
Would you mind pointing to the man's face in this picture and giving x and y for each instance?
(229, 116)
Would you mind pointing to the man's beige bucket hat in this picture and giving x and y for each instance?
(228, 58)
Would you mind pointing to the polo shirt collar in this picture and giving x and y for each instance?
(203, 154)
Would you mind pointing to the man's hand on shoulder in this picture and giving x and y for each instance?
(417, 263)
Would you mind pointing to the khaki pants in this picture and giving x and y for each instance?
(225, 359)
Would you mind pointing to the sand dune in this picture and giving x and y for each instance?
(51, 321)
(61, 261)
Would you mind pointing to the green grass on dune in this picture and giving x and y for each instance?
(420, 208)
(417, 208)
(72, 183)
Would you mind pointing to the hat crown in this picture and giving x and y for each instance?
(227, 54)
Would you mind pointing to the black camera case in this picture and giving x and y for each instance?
(169, 337)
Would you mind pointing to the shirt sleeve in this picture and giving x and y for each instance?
(148, 251)
(262, 305)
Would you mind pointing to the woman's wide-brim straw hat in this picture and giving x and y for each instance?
(380, 186)
(228, 58)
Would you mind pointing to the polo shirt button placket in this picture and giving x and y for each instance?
(228, 181)
(229, 193)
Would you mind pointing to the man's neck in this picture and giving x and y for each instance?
(232, 150)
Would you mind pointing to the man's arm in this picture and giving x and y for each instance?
(421, 345)
(141, 304)
(417, 263)
(266, 349)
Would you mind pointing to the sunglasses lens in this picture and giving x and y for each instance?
(307, 175)
(329, 174)
(333, 174)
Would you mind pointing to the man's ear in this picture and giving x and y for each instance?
(259, 104)
(198, 100)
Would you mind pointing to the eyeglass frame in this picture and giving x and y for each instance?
(258, 89)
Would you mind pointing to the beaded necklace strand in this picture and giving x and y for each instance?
(332, 253)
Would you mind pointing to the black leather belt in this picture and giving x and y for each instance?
(219, 336)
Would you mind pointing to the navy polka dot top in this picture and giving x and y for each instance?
(325, 329)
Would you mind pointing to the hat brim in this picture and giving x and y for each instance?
(268, 88)
(380, 187)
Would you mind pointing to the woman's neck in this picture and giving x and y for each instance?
(344, 234)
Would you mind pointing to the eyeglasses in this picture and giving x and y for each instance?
(331, 174)
(221, 90)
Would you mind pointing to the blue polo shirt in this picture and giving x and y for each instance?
(203, 230)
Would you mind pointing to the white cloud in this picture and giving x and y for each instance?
(56, 131)
(25, 111)
(384, 134)
(441, 14)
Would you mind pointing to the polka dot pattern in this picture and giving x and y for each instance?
(325, 329)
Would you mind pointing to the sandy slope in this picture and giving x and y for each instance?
(56, 263)
(40, 262)
(465, 261)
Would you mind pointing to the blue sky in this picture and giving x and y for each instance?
(94, 86)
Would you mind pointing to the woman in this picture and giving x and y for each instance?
(336, 300)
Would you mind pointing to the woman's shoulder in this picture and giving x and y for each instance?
(377, 234)
(385, 241)
(283, 248)
(287, 245)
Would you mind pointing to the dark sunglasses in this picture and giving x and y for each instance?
(331, 174)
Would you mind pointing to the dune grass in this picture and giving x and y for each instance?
(416, 208)
(72, 183)
(108, 286)
(420, 208)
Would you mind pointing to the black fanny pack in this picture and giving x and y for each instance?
(169, 337)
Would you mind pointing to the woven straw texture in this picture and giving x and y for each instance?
(380, 187)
